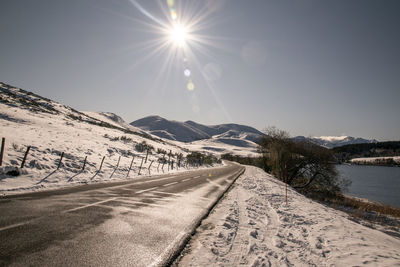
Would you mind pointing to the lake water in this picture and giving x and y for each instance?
(376, 183)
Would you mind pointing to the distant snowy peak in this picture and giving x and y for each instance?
(334, 141)
(190, 131)
(332, 138)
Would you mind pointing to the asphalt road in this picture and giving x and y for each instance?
(136, 223)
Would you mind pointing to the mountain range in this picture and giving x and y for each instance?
(232, 134)
(334, 141)
(190, 131)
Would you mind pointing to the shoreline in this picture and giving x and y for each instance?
(368, 164)
(369, 201)
(390, 161)
(375, 215)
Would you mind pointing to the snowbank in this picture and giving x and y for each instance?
(253, 226)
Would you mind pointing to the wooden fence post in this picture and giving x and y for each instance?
(84, 164)
(3, 140)
(147, 153)
(158, 165)
(26, 154)
(118, 162)
(150, 166)
(169, 159)
(59, 163)
(101, 164)
(130, 166)
(140, 168)
(115, 167)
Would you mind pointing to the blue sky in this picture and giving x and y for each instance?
(308, 67)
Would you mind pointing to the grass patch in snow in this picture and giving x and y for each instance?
(372, 214)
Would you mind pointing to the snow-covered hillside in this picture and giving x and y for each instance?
(334, 141)
(52, 129)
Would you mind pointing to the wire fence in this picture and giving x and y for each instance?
(79, 165)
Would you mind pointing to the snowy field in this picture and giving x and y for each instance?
(253, 226)
(50, 129)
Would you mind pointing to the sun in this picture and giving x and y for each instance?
(178, 34)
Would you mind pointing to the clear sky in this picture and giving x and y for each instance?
(308, 67)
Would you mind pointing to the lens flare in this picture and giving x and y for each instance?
(181, 39)
(186, 72)
(170, 3)
(174, 15)
(178, 34)
(190, 86)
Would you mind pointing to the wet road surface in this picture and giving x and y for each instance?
(135, 223)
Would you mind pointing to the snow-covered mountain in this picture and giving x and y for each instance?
(334, 141)
(173, 130)
(190, 131)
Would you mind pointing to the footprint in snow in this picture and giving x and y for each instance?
(254, 234)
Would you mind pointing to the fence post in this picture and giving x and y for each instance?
(59, 163)
(3, 140)
(140, 168)
(169, 159)
(150, 166)
(84, 164)
(101, 164)
(158, 165)
(172, 165)
(118, 162)
(115, 167)
(147, 153)
(130, 166)
(26, 154)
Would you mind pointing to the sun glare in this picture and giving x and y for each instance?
(178, 34)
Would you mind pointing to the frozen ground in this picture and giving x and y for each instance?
(253, 226)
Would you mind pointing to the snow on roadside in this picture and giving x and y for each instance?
(253, 226)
